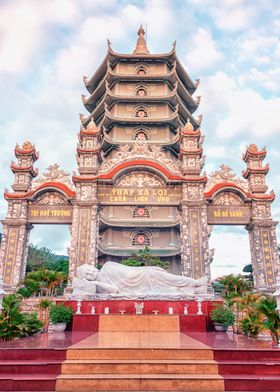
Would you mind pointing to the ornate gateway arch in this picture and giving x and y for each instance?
(140, 180)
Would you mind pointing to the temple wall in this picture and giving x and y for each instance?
(126, 212)
(160, 238)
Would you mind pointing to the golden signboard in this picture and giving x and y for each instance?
(228, 215)
(50, 214)
(110, 195)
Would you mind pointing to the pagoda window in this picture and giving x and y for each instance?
(141, 239)
(141, 136)
(141, 69)
(141, 212)
(141, 92)
(141, 112)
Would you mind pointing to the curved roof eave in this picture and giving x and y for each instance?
(185, 76)
(163, 56)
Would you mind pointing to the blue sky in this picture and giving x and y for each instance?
(233, 46)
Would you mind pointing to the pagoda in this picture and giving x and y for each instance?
(142, 141)
(140, 181)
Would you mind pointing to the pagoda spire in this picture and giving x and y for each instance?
(141, 45)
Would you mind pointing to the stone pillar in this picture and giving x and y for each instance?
(194, 238)
(14, 245)
(84, 233)
(195, 255)
(262, 233)
(264, 253)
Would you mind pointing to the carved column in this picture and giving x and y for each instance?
(194, 229)
(262, 233)
(84, 235)
(84, 231)
(16, 229)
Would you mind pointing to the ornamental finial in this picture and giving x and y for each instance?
(141, 46)
(188, 127)
(91, 127)
(27, 145)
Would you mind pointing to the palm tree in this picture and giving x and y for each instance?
(234, 286)
(245, 307)
(267, 306)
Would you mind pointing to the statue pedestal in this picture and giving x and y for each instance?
(122, 312)
(139, 323)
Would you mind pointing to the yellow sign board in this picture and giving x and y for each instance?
(110, 195)
(50, 214)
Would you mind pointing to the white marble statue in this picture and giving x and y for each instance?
(117, 280)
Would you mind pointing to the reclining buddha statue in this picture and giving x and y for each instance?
(118, 280)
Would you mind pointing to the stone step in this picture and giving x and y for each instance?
(29, 382)
(32, 354)
(29, 367)
(246, 355)
(139, 353)
(267, 383)
(140, 382)
(250, 367)
(139, 366)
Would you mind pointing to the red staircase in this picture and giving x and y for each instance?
(30, 369)
(249, 370)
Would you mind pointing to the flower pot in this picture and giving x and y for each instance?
(220, 327)
(59, 327)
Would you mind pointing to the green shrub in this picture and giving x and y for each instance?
(268, 308)
(32, 324)
(60, 314)
(13, 323)
(251, 325)
(221, 314)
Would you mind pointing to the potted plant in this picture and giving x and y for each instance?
(222, 317)
(60, 315)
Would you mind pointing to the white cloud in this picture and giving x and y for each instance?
(268, 79)
(232, 251)
(235, 109)
(230, 15)
(203, 53)
(217, 151)
(233, 15)
(23, 29)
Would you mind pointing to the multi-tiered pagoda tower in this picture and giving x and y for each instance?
(143, 142)
(139, 179)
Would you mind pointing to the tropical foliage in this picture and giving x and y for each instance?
(232, 286)
(43, 282)
(252, 324)
(267, 307)
(44, 258)
(145, 258)
(14, 323)
(60, 314)
(222, 314)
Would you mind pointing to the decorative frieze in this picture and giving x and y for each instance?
(225, 175)
(53, 173)
(132, 151)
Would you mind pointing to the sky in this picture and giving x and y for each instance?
(232, 46)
